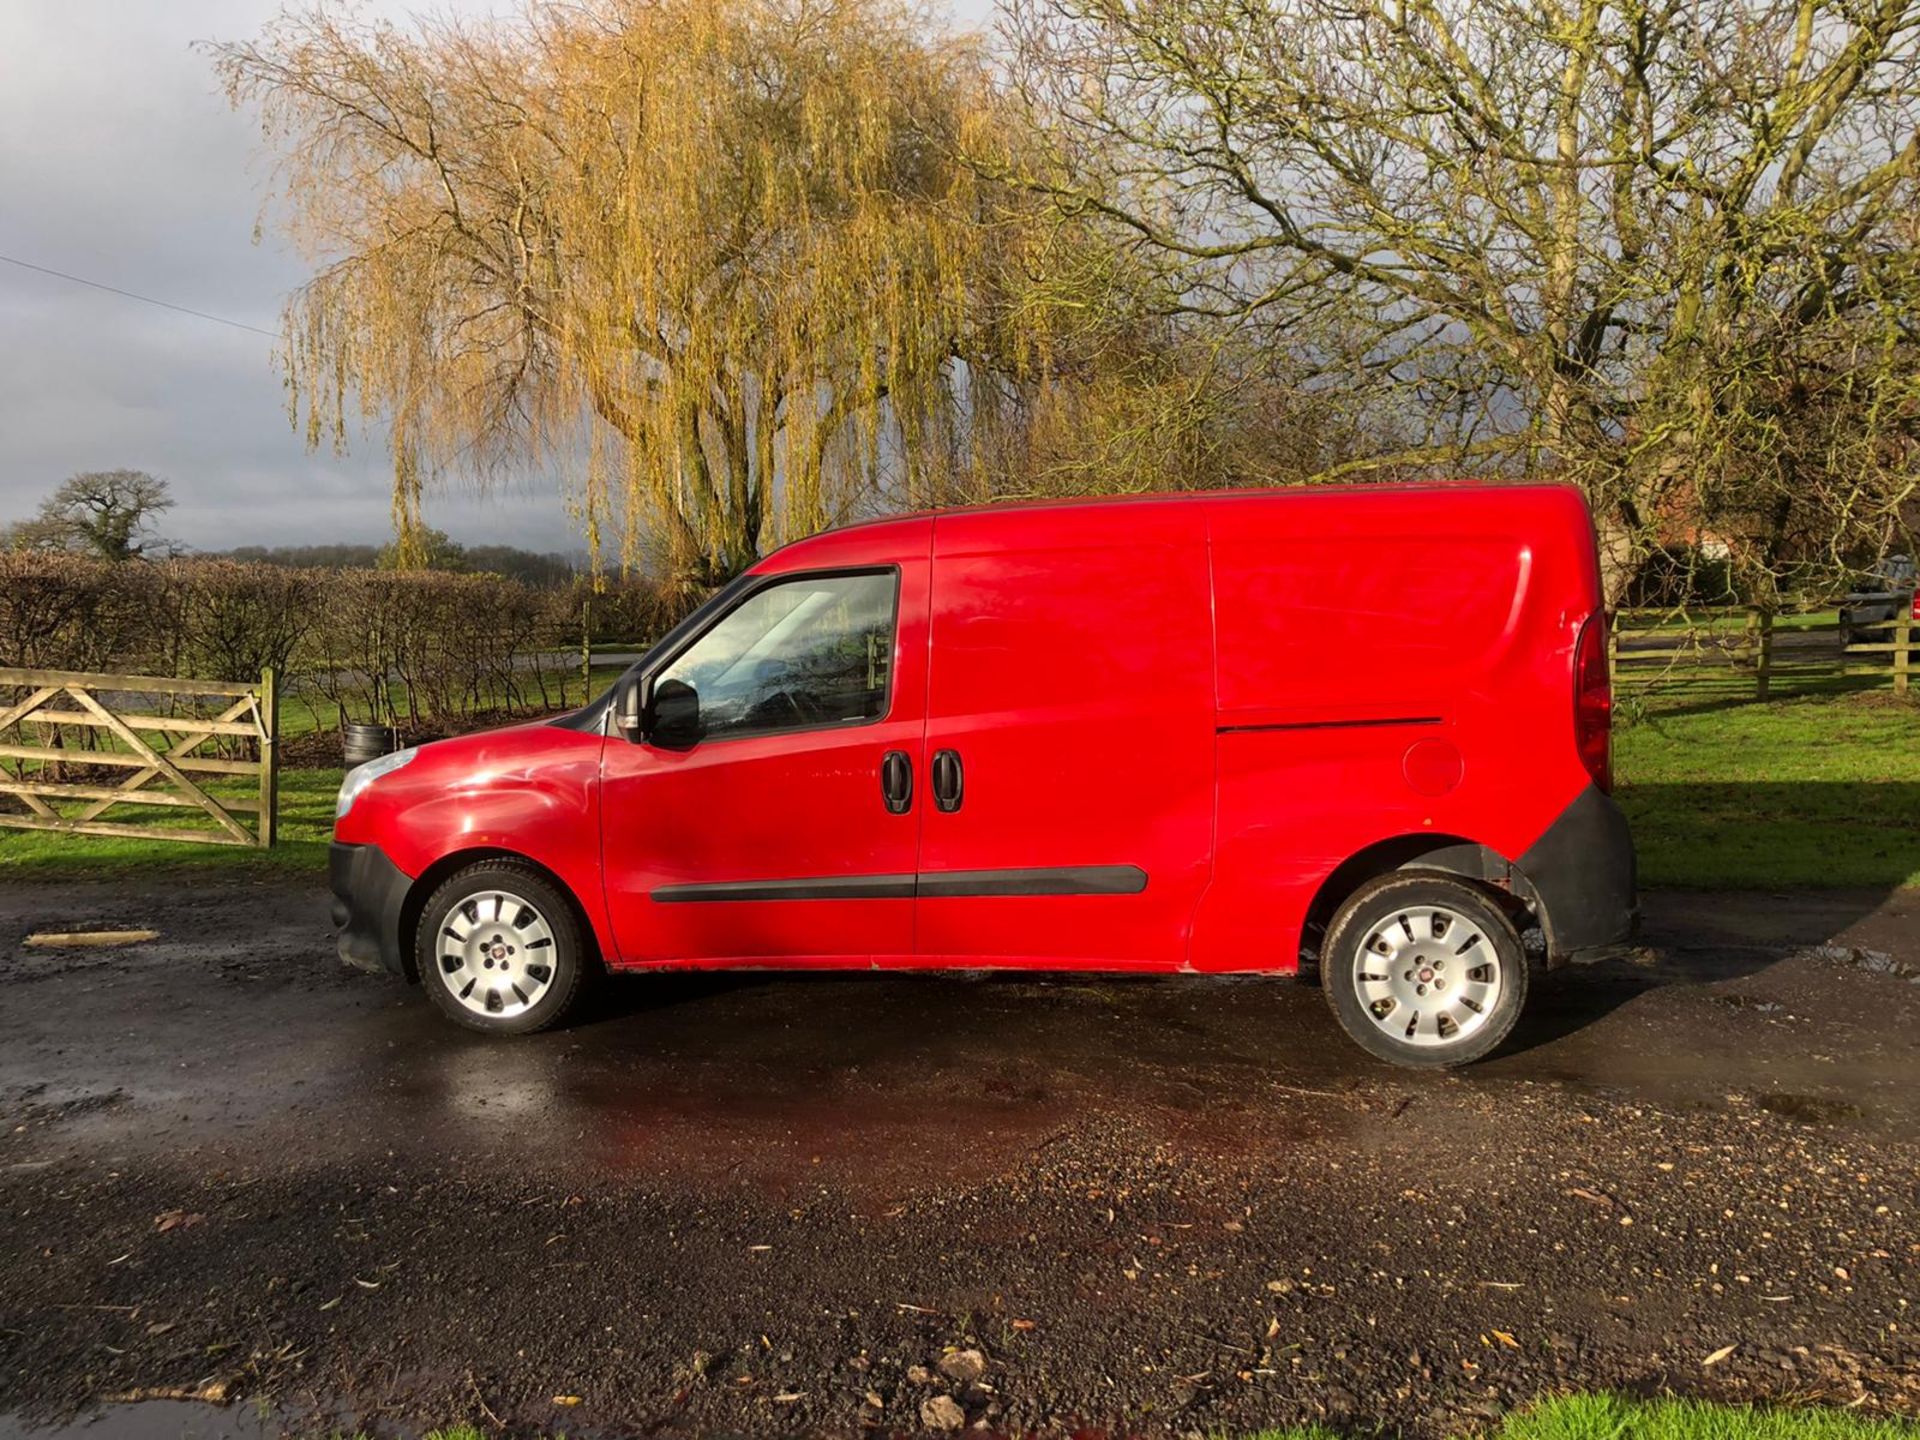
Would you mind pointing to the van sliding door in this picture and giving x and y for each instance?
(1068, 813)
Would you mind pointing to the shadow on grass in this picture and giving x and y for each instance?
(1777, 835)
(1720, 696)
(1814, 860)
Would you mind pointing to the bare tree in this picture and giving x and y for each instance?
(108, 513)
(1664, 247)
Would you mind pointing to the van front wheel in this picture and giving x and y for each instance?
(499, 949)
(1424, 970)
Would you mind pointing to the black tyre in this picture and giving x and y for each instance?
(1424, 970)
(499, 949)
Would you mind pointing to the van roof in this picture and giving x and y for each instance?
(1463, 487)
(1249, 492)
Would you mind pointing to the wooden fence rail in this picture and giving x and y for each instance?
(160, 749)
(1758, 651)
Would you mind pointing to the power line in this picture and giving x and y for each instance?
(144, 299)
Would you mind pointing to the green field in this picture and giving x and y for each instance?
(1607, 1417)
(1811, 791)
(1721, 621)
(306, 811)
(306, 824)
(303, 710)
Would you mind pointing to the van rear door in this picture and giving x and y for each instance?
(1068, 804)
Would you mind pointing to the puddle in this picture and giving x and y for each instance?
(156, 1420)
(1810, 1109)
(1749, 1002)
(1874, 962)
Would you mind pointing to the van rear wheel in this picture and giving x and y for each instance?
(499, 950)
(1424, 970)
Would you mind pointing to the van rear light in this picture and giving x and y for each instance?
(1593, 701)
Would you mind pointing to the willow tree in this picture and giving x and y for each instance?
(717, 253)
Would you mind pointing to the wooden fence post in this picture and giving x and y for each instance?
(1902, 657)
(269, 757)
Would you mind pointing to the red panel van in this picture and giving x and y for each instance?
(1360, 730)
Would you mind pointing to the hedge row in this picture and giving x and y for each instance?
(399, 646)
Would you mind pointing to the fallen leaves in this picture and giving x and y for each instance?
(176, 1220)
(1717, 1356)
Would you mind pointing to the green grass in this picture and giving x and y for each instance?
(1721, 620)
(304, 711)
(1807, 791)
(1608, 1417)
(1605, 1417)
(306, 816)
(306, 825)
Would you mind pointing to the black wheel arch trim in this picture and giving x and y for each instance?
(1584, 877)
(370, 895)
(1577, 879)
(377, 905)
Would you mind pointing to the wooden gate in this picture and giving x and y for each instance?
(34, 725)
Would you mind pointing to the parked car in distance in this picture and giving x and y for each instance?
(1361, 730)
(1867, 615)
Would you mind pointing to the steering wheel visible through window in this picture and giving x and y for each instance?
(813, 650)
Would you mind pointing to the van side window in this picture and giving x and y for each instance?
(814, 650)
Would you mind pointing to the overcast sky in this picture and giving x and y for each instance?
(121, 162)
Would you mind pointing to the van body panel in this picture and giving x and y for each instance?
(779, 846)
(1071, 673)
(1394, 666)
(530, 790)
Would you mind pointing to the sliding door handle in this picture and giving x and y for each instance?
(949, 781)
(896, 782)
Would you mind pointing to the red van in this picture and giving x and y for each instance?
(1364, 730)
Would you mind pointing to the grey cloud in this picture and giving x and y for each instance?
(120, 161)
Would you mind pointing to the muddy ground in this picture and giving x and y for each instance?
(230, 1166)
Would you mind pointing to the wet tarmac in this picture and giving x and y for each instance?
(822, 1184)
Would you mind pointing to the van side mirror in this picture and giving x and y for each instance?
(627, 716)
(673, 716)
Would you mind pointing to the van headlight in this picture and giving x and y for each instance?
(361, 776)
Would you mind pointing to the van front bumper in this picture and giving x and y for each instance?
(1582, 870)
(369, 892)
